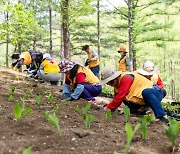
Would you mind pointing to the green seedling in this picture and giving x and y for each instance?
(76, 108)
(19, 113)
(17, 77)
(27, 150)
(52, 118)
(126, 111)
(10, 97)
(51, 98)
(30, 91)
(38, 100)
(172, 131)
(57, 108)
(46, 115)
(67, 102)
(12, 88)
(89, 119)
(43, 92)
(26, 95)
(22, 103)
(130, 134)
(108, 115)
(85, 110)
(145, 121)
(170, 107)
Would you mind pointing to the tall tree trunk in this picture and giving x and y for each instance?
(98, 27)
(130, 32)
(132, 52)
(65, 27)
(7, 38)
(50, 29)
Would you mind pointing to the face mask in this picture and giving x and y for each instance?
(14, 60)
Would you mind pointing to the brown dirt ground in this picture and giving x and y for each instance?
(102, 138)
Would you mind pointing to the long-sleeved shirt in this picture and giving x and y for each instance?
(124, 87)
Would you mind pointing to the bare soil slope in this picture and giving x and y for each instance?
(102, 138)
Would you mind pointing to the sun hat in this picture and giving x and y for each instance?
(46, 55)
(109, 74)
(122, 49)
(66, 65)
(147, 69)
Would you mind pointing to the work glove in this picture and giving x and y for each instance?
(87, 62)
(11, 67)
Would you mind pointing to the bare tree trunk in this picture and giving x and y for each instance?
(65, 27)
(130, 32)
(7, 38)
(61, 42)
(98, 27)
(132, 52)
(50, 29)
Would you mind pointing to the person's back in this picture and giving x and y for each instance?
(49, 70)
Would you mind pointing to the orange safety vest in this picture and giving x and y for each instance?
(27, 58)
(90, 77)
(94, 62)
(139, 84)
(122, 65)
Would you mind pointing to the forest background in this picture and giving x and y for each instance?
(149, 29)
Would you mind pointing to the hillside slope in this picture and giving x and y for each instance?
(33, 130)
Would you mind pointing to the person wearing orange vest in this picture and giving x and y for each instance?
(80, 82)
(93, 60)
(124, 62)
(130, 87)
(21, 59)
(49, 70)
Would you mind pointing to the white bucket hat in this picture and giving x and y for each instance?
(46, 55)
(109, 74)
(147, 69)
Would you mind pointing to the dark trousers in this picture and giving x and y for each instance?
(152, 97)
(90, 91)
(95, 70)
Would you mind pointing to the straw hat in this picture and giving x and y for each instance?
(147, 69)
(109, 74)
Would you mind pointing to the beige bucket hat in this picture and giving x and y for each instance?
(147, 69)
(109, 74)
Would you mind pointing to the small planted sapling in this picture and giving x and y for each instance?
(52, 118)
(89, 119)
(130, 134)
(51, 98)
(20, 112)
(172, 132)
(145, 121)
(108, 115)
(27, 150)
(10, 95)
(85, 110)
(76, 108)
(38, 100)
(126, 111)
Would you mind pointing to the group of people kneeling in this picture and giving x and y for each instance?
(138, 90)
